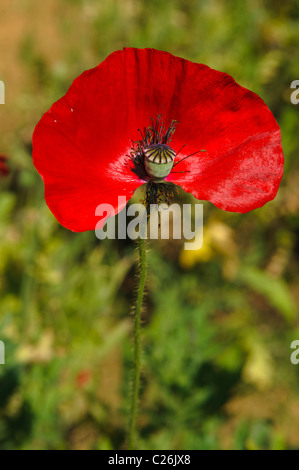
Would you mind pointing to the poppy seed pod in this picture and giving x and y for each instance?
(158, 160)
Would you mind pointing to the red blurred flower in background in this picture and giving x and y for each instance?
(84, 148)
(4, 170)
(83, 378)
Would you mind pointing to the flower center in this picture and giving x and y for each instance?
(152, 156)
(158, 160)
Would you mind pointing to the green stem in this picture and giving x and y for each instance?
(137, 347)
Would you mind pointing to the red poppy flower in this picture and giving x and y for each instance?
(82, 147)
(3, 166)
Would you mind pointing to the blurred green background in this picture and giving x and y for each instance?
(218, 322)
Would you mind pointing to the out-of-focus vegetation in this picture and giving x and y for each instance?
(218, 322)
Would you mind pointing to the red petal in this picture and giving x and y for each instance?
(80, 146)
(4, 170)
(243, 163)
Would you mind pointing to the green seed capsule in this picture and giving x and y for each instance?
(158, 160)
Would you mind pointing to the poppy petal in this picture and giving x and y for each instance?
(81, 147)
(241, 166)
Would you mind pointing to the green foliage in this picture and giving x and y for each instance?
(275, 290)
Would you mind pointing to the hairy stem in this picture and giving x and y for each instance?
(137, 338)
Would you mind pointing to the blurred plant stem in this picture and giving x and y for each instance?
(137, 338)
